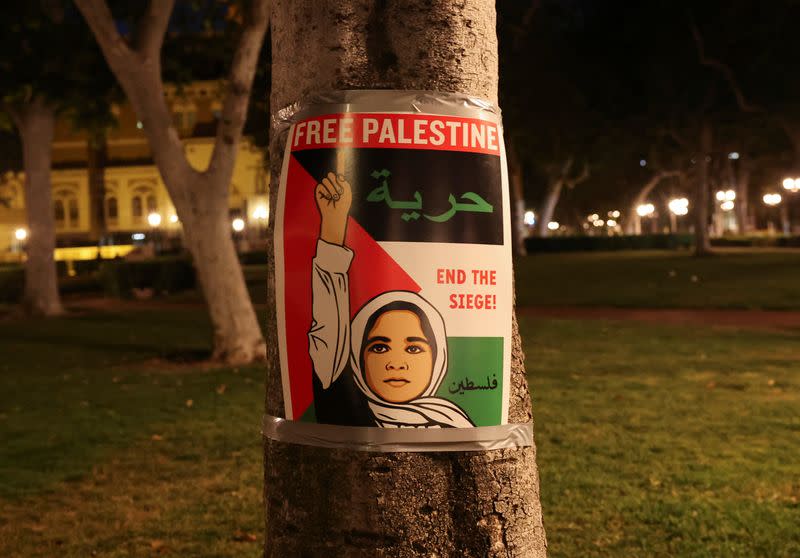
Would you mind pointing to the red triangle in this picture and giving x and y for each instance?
(372, 272)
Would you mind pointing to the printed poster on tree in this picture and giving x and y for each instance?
(393, 271)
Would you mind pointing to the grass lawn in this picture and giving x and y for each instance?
(666, 441)
(733, 279)
(653, 440)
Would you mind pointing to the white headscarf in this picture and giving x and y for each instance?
(426, 411)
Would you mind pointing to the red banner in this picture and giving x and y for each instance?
(404, 131)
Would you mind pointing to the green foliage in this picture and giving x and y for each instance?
(49, 53)
(162, 275)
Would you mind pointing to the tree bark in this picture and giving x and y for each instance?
(322, 502)
(549, 206)
(200, 198)
(743, 195)
(702, 245)
(515, 182)
(36, 124)
(97, 155)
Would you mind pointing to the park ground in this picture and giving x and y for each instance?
(666, 397)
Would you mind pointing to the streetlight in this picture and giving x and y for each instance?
(261, 213)
(529, 218)
(238, 224)
(20, 234)
(678, 207)
(645, 209)
(724, 221)
(791, 184)
(726, 195)
(772, 200)
(154, 220)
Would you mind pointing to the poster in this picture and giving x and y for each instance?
(393, 269)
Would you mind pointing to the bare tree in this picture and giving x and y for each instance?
(633, 223)
(200, 197)
(321, 502)
(558, 177)
(516, 185)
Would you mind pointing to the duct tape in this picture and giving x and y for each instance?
(362, 438)
(379, 100)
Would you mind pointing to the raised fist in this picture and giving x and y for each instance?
(334, 197)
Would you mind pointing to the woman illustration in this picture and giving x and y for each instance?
(396, 346)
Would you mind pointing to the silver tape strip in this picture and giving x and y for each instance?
(377, 100)
(361, 438)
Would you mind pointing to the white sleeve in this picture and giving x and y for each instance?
(329, 336)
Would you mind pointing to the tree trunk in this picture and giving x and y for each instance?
(743, 195)
(97, 155)
(549, 206)
(702, 243)
(36, 124)
(197, 196)
(322, 502)
(209, 240)
(515, 181)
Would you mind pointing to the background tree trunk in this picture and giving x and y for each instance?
(200, 198)
(702, 245)
(97, 155)
(549, 206)
(232, 314)
(322, 502)
(515, 182)
(36, 123)
(743, 195)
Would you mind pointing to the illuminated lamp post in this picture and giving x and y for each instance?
(792, 186)
(773, 200)
(154, 220)
(724, 218)
(646, 210)
(678, 207)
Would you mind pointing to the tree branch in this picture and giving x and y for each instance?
(240, 83)
(723, 69)
(654, 181)
(101, 22)
(582, 177)
(150, 30)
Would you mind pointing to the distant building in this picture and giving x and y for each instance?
(133, 187)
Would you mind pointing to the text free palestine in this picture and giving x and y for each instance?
(397, 130)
